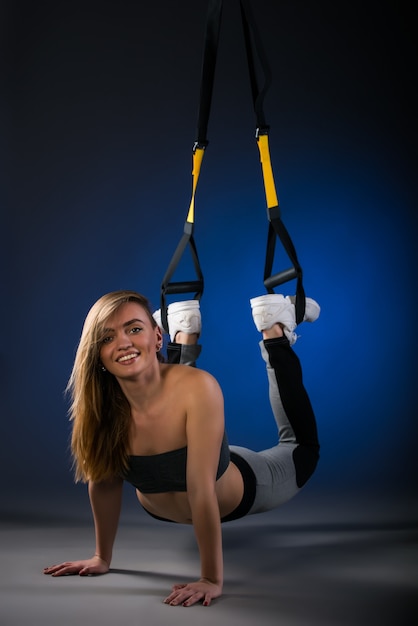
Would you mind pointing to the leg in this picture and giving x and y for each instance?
(282, 470)
(185, 354)
(291, 406)
(289, 400)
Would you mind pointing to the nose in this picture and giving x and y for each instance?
(123, 342)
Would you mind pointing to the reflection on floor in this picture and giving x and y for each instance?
(299, 566)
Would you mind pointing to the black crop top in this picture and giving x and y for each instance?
(160, 473)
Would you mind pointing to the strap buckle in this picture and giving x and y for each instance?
(200, 145)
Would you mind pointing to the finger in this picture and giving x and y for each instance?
(192, 599)
(185, 597)
(176, 590)
(64, 569)
(175, 598)
(61, 571)
(207, 600)
(171, 599)
(55, 568)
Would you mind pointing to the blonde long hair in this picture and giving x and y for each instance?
(99, 411)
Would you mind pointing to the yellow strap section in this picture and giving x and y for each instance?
(271, 196)
(197, 162)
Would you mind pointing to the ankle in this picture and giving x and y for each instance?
(186, 338)
(275, 331)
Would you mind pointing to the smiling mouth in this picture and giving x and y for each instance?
(127, 357)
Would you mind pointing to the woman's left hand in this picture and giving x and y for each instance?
(189, 593)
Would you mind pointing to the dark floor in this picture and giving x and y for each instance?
(330, 563)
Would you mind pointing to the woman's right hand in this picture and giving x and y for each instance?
(96, 565)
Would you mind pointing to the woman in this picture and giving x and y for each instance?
(160, 426)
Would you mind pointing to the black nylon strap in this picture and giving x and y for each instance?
(254, 44)
(278, 229)
(210, 53)
(254, 50)
(213, 24)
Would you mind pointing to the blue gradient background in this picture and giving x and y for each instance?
(99, 119)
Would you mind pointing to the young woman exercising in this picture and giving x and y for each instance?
(160, 426)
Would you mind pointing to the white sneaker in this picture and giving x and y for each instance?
(312, 309)
(181, 316)
(185, 317)
(157, 317)
(274, 308)
(271, 309)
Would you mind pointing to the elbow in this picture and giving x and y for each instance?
(202, 496)
(104, 486)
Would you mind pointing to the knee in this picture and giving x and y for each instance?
(305, 459)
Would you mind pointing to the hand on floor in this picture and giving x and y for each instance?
(95, 565)
(189, 593)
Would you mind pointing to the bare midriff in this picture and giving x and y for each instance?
(175, 505)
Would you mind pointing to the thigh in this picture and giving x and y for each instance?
(275, 474)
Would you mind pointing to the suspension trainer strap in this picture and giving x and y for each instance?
(210, 53)
(213, 23)
(187, 239)
(278, 229)
(255, 50)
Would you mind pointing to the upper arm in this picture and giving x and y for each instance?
(205, 427)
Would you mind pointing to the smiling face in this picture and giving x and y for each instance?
(129, 342)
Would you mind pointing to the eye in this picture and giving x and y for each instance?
(135, 330)
(107, 339)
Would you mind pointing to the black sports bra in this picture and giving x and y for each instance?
(160, 473)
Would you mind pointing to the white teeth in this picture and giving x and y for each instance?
(127, 357)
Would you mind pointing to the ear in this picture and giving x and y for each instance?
(159, 337)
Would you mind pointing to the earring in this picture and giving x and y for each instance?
(103, 368)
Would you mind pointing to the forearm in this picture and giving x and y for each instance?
(106, 502)
(207, 527)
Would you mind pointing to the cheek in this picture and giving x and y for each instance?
(103, 352)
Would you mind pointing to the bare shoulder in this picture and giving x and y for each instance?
(191, 379)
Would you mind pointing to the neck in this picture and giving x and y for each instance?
(141, 389)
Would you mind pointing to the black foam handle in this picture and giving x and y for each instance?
(183, 287)
(280, 278)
